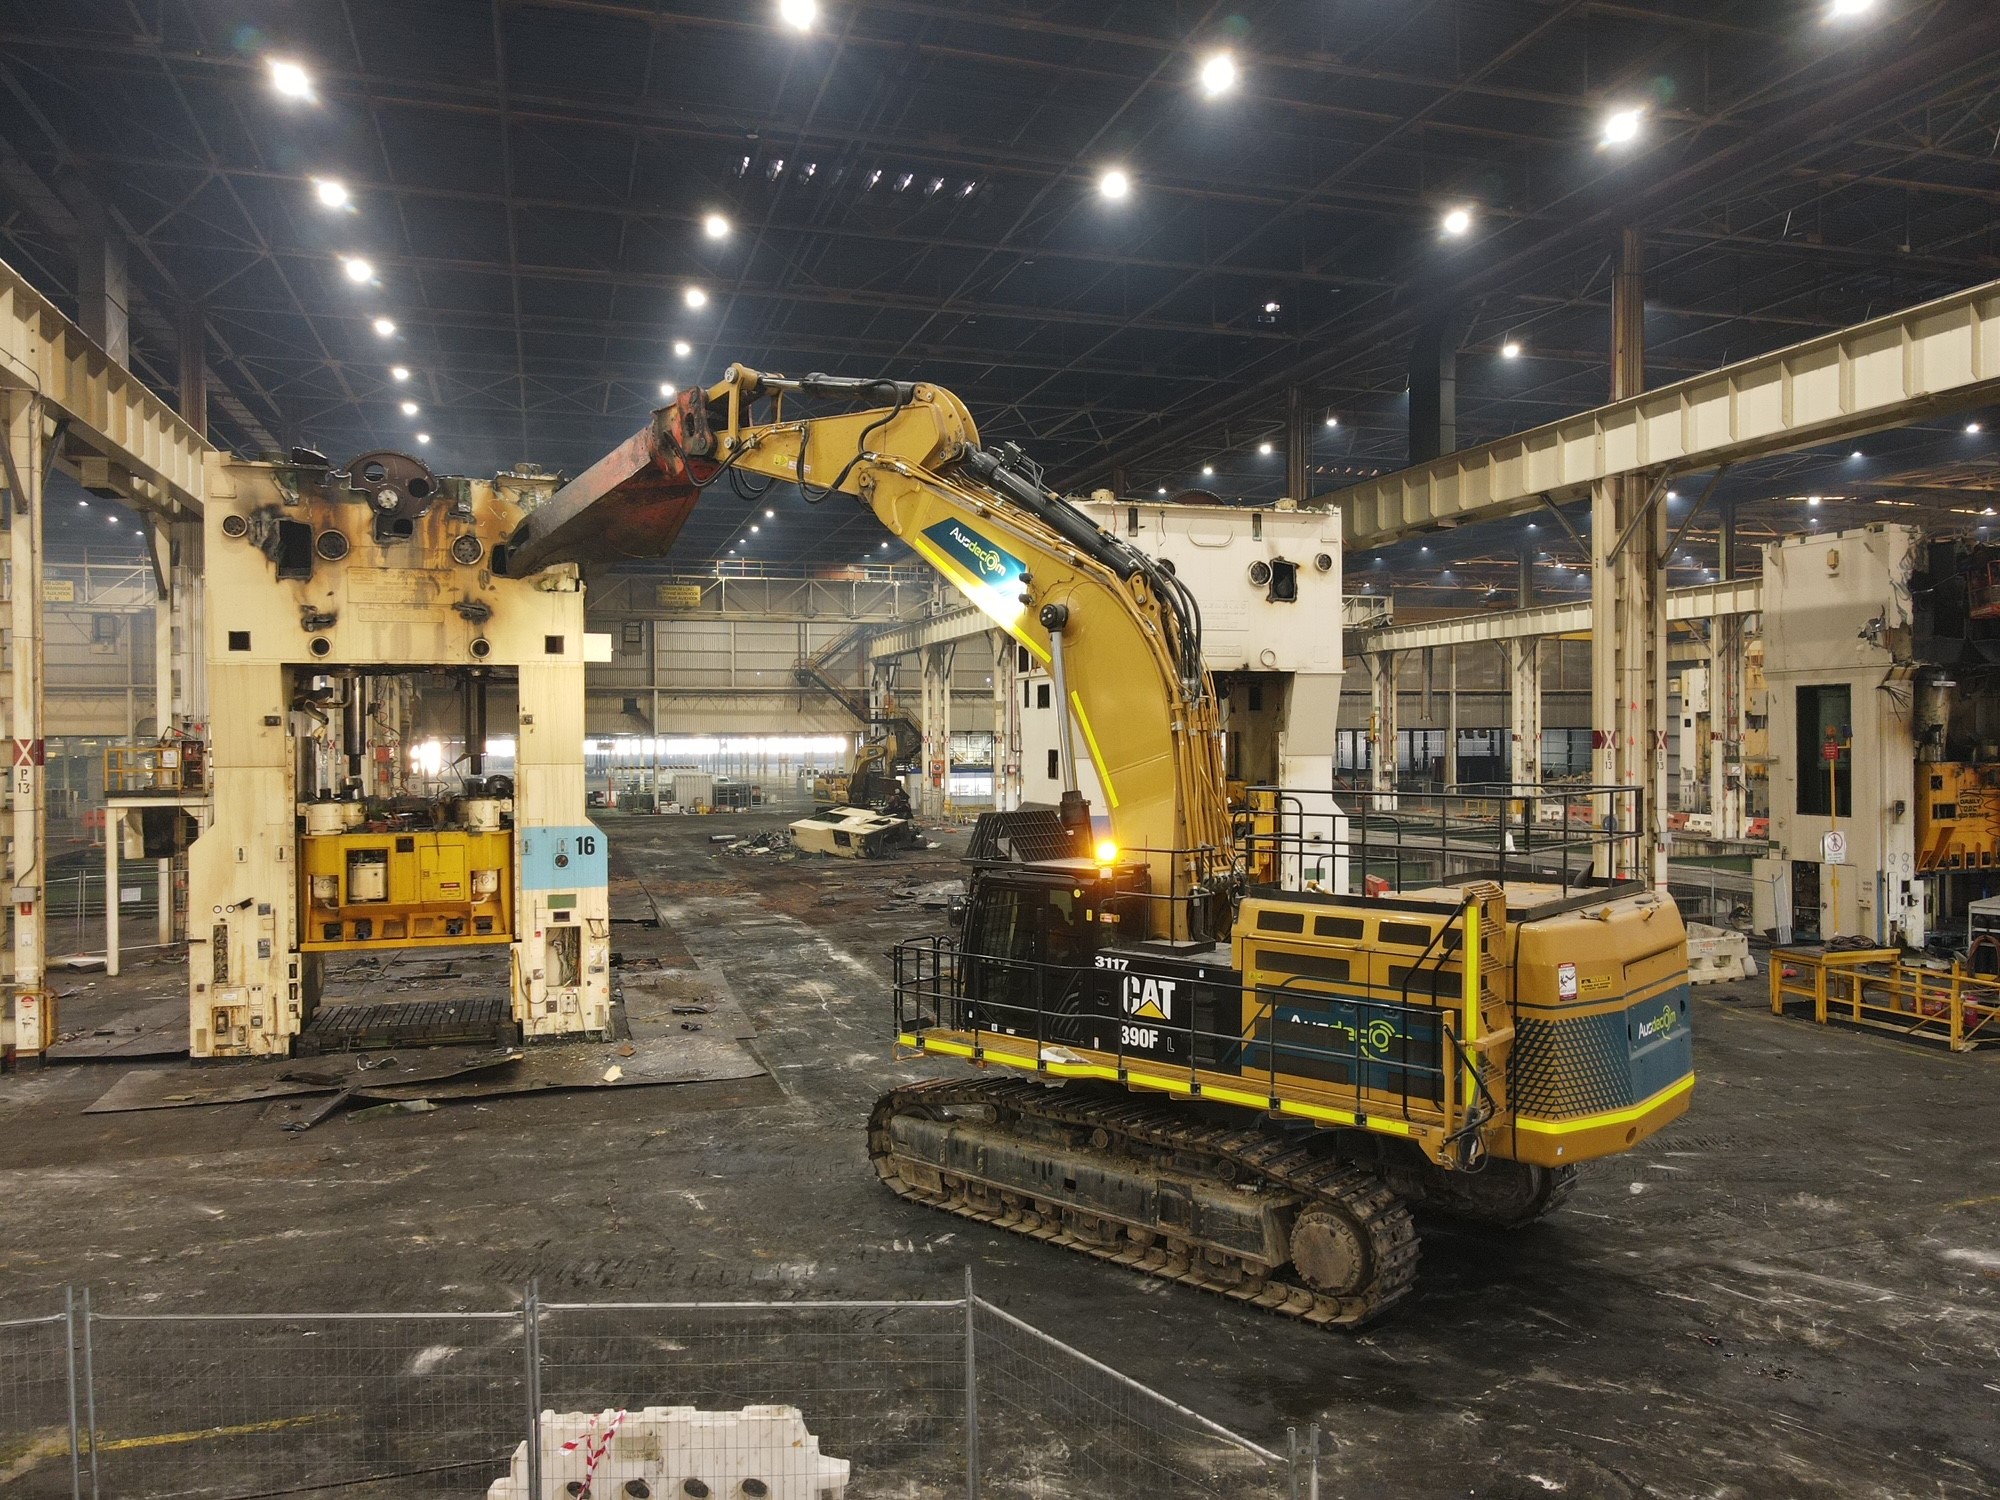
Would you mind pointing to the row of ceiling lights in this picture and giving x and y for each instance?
(291, 81)
(1217, 76)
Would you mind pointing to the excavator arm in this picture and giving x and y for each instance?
(1120, 634)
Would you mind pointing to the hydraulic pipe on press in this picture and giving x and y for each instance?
(353, 735)
(475, 729)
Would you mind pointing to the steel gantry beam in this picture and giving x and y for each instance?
(155, 455)
(1708, 601)
(1933, 359)
(953, 624)
(1357, 612)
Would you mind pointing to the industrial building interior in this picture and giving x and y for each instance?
(910, 747)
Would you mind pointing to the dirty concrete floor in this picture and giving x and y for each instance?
(1795, 1292)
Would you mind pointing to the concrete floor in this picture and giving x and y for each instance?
(1794, 1292)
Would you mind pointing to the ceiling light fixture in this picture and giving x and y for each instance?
(1510, 350)
(1621, 127)
(409, 408)
(798, 14)
(682, 348)
(1264, 450)
(1115, 184)
(330, 191)
(1974, 428)
(1457, 221)
(399, 372)
(385, 328)
(694, 296)
(289, 79)
(1333, 421)
(1218, 74)
(358, 270)
(423, 437)
(1208, 471)
(715, 227)
(1847, 10)
(667, 390)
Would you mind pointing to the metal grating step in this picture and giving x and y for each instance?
(351, 1027)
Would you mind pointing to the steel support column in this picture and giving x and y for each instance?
(1728, 723)
(1434, 392)
(1451, 716)
(103, 292)
(937, 665)
(33, 1014)
(1381, 667)
(193, 393)
(1006, 722)
(1628, 605)
(1298, 445)
(1522, 660)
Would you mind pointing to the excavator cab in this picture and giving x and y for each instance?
(1031, 939)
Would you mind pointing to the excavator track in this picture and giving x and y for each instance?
(1347, 1223)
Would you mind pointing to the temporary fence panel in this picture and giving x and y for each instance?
(789, 1401)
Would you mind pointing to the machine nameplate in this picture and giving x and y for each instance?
(391, 587)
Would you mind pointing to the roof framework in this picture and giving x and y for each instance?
(912, 188)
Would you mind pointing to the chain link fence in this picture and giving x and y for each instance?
(40, 1452)
(560, 1401)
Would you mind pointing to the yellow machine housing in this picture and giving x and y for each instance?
(406, 890)
(1958, 816)
(1566, 1039)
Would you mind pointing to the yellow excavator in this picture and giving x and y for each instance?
(1192, 1051)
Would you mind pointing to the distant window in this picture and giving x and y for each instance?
(1055, 766)
(239, 640)
(1042, 695)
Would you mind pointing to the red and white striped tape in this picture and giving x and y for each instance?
(594, 1445)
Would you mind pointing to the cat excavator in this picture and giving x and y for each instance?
(1233, 1049)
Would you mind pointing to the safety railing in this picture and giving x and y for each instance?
(172, 768)
(1872, 987)
(1360, 1046)
(1571, 838)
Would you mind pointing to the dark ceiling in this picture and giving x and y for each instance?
(912, 188)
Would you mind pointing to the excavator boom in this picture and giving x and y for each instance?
(1120, 633)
